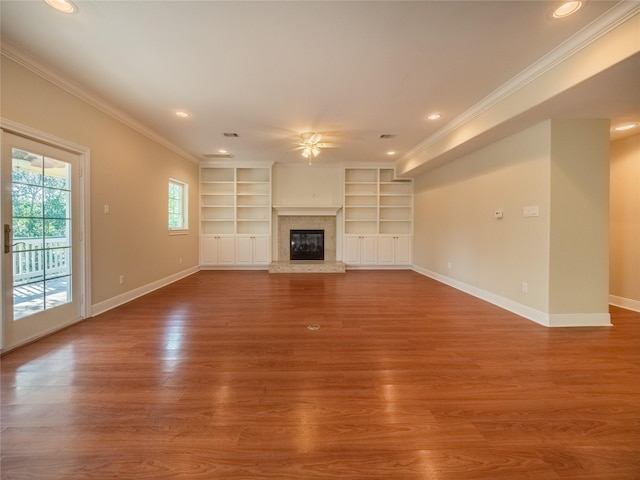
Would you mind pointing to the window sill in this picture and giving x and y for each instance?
(179, 231)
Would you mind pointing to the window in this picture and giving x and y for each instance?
(178, 206)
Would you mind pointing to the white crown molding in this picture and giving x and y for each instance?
(616, 16)
(48, 73)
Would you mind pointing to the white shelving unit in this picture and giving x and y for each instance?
(235, 215)
(395, 203)
(378, 213)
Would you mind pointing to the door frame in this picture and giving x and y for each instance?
(84, 217)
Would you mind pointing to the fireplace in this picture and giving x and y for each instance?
(306, 245)
(305, 218)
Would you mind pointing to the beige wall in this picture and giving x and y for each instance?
(559, 256)
(625, 222)
(455, 224)
(307, 185)
(129, 172)
(579, 230)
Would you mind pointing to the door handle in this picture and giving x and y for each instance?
(7, 239)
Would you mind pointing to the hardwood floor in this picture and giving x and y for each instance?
(218, 377)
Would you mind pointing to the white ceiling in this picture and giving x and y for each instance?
(270, 71)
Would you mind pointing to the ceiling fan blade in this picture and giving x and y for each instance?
(315, 138)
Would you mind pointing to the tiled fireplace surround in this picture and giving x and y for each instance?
(307, 218)
(286, 223)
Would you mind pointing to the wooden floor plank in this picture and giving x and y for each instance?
(219, 376)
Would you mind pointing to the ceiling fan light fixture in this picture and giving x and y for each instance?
(310, 144)
(315, 138)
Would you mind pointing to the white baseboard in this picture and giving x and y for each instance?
(627, 303)
(378, 267)
(234, 267)
(542, 318)
(114, 302)
(579, 320)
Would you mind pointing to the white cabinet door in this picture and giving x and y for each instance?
(244, 250)
(403, 250)
(369, 250)
(252, 249)
(361, 249)
(261, 250)
(208, 250)
(387, 251)
(226, 250)
(218, 250)
(352, 249)
(394, 250)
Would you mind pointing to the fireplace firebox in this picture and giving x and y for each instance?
(306, 245)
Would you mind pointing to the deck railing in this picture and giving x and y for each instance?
(32, 259)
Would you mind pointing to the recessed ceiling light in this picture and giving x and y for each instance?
(182, 114)
(391, 153)
(626, 126)
(63, 6)
(566, 9)
(433, 116)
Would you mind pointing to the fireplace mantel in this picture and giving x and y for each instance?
(330, 211)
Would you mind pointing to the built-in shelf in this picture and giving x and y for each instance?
(376, 202)
(378, 213)
(235, 214)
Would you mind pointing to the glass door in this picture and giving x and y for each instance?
(41, 261)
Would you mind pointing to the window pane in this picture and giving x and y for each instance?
(58, 262)
(57, 232)
(28, 266)
(27, 200)
(58, 292)
(28, 299)
(57, 174)
(56, 203)
(176, 205)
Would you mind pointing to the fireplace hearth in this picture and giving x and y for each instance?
(306, 245)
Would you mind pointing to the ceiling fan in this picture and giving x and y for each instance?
(311, 145)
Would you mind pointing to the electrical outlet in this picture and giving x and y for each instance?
(525, 287)
(180, 261)
(448, 264)
(121, 279)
